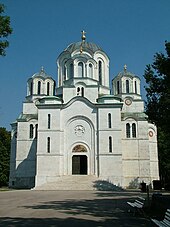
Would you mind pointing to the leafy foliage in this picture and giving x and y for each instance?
(5, 30)
(4, 156)
(157, 76)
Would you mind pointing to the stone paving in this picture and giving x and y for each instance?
(68, 208)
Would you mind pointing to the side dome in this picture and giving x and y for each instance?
(84, 45)
(39, 85)
(126, 83)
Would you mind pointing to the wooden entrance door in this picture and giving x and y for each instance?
(79, 164)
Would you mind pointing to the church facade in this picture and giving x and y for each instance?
(79, 127)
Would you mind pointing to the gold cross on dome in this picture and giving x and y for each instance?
(83, 37)
(125, 67)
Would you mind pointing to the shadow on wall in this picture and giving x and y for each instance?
(134, 184)
(103, 185)
(26, 170)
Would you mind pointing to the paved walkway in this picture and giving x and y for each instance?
(68, 208)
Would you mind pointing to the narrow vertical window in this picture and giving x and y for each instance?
(100, 72)
(36, 131)
(48, 144)
(127, 86)
(71, 70)
(31, 131)
(135, 87)
(80, 70)
(110, 144)
(118, 87)
(39, 87)
(49, 121)
(48, 88)
(78, 91)
(128, 130)
(31, 88)
(64, 72)
(109, 120)
(82, 91)
(90, 70)
(134, 130)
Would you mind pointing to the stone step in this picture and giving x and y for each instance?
(75, 182)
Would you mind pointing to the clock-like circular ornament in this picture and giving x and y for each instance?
(128, 102)
(150, 133)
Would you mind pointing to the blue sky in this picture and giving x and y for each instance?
(129, 31)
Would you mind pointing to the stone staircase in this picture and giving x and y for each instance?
(74, 182)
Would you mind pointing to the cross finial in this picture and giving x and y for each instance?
(42, 69)
(125, 68)
(83, 37)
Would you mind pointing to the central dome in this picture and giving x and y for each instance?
(90, 46)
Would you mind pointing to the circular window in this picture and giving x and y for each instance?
(128, 102)
(150, 133)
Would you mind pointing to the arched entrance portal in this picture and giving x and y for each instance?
(79, 164)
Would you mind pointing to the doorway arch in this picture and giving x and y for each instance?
(79, 165)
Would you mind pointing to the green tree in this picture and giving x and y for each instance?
(157, 76)
(5, 138)
(5, 30)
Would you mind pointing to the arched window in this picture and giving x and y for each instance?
(110, 144)
(90, 70)
(100, 72)
(80, 70)
(48, 88)
(31, 88)
(48, 144)
(118, 87)
(78, 91)
(127, 86)
(71, 70)
(36, 131)
(82, 91)
(49, 121)
(31, 131)
(39, 87)
(135, 87)
(109, 120)
(128, 130)
(64, 72)
(134, 130)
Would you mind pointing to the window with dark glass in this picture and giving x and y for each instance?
(48, 144)
(31, 88)
(71, 70)
(39, 87)
(118, 87)
(49, 121)
(31, 131)
(127, 86)
(135, 87)
(109, 120)
(64, 72)
(110, 144)
(82, 91)
(48, 88)
(134, 130)
(36, 131)
(128, 130)
(78, 91)
(100, 72)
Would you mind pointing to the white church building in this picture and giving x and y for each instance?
(81, 126)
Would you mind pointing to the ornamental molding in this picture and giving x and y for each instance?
(79, 130)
